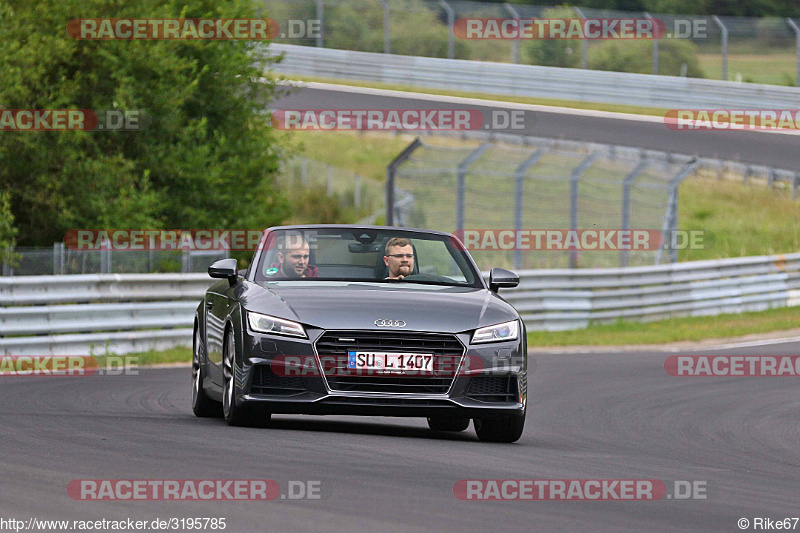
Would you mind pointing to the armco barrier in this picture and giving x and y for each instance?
(138, 312)
(670, 92)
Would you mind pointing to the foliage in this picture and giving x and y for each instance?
(637, 56)
(206, 159)
(555, 52)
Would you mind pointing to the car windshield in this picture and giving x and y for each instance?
(364, 254)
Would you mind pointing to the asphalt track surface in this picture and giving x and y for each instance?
(591, 416)
(760, 148)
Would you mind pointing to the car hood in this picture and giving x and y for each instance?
(358, 306)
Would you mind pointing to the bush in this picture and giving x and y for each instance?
(554, 52)
(637, 56)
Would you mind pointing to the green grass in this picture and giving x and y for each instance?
(773, 68)
(672, 330)
(178, 354)
(742, 220)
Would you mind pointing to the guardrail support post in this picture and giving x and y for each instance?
(626, 205)
(451, 21)
(321, 19)
(796, 29)
(724, 31)
(515, 44)
(461, 183)
(391, 170)
(519, 190)
(573, 200)
(386, 31)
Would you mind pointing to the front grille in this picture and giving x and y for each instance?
(446, 349)
(493, 389)
(265, 381)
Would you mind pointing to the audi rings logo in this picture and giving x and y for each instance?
(383, 323)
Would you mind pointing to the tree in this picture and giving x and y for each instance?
(206, 159)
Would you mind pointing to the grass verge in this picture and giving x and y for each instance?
(671, 330)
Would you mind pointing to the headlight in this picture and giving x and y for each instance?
(275, 325)
(507, 331)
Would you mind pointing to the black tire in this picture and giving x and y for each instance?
(202, 405)
(441, 423)
(507, 429)
(235, 415)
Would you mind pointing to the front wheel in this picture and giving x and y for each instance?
(506, 429)
(235, 415)
(202, 405)
(441, 423)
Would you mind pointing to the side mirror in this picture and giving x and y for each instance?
(224, 269)
(502, 278)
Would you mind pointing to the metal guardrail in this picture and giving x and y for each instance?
(134, 313)
(533, 81)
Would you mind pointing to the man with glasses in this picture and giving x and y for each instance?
(399, 257)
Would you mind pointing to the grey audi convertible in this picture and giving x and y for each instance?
(361, 320)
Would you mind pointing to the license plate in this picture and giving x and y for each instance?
(383, 362)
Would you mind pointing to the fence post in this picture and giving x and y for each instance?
(330, 181)
(451, 21)
(626, 205)
(304, 172)
(391, 170)
(796, 29)
(515, 44)
(584, 43)
(573, 200)
(724, 31)
(671, 215)
(321, 19)
(386, 31)
(462, 183)
(519, 190)
(655, 43)
(186, 261)
(55, 258)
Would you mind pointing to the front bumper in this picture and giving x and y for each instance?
(495, 387)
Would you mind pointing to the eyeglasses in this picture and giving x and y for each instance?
(400, 256)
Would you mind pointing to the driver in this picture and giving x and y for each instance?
(399, 257)
(293, 259)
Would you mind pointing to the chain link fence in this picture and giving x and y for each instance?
(760, 50)
(482, 183)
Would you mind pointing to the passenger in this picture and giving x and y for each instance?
(399, 257)
(293, 260)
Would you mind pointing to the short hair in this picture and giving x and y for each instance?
(396, 241)
(291, 241)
